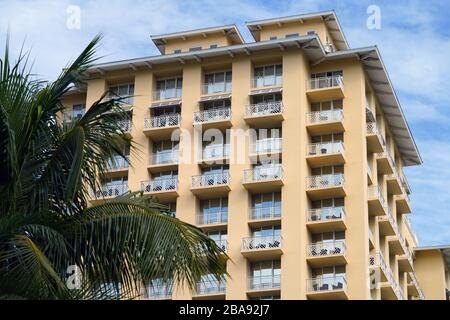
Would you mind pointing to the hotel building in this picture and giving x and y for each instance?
(314, 203)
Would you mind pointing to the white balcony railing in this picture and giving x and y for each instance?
(325, 116)
(164, 157)
(210, 179)
(164, 121)
(166, 94)
(212, 218)
(218, 114)
(212, 286)
(214, 151)
(325, 181)
(264, 282)
(414, 282)
(264, 109)
(325, 82)
(261, 243)
(326, 248)
(325, 148)
(374, 192)
(118, 163)
(377, 260)
(158, 185)
(327, 283)
(268, 145)
(158, 292)
(269, 212)
(267, 81)
(372, 128)
(263, 173)
(219, 87)
(222, 244)
(410, 228)
(125, 125)
(326, 214)
(110, 191)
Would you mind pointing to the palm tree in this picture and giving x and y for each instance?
(47, 168)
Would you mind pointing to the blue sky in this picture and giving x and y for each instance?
(414, 40)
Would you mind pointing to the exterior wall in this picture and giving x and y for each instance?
(430, 270)
(197, 41)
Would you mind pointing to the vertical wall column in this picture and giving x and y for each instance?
(95, 89)
(294, 202)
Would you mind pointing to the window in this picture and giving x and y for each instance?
(266, 98)
(266, 205)
(177, 51)
(165, 151)
(271, 231)
(122, 91)
(328, 237)
(214, 211)
(216, 104)
(213, 46)
(168, 88)
(269, 75)
(195, 49)
(326, 79)
(332, 137)
(265, 274)
(292, 35)
(158, 288)
(327, 105)
(217, 82)
(78, 110)
(326, 74)
(273, 38)
(172, 209)
(337, 169)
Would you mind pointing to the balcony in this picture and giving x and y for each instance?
(325, 186)
(222, 244)
(158, 292)
(125, 126)
(376, 201)
(387, 223)
(403, 203)
(327, 288)
(211, 185)
(325, 88)
(210, 289)
(70, 115)
(219, 118)
(117, 166)
(394, 185)
(164, 161)
(108, 192)
(325, 122)
(161, 127)
(385, 281)
(267, 285)
(216, 88)
(215, 154)
(166, 189)
(263, 179)
(167, 94)
(371, 239)
(414, 288)
(270, 147)
(216, 219)
(375, 141)
(264, 216)
(326, 219)
(385, 163)
(262, 247)
(275, 81)
(325, 154)
(264, 115)
(326, 253)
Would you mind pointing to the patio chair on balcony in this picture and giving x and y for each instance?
(339, 285)
(324, 287)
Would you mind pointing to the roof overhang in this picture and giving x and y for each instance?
(230, 31)
(329, 17)
(444, 249)
(374, 67)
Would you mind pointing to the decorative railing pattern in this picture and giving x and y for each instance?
(414, 281)
(326, 248)
(222, 244)
(261, 243)
(263, 174)
(377, 260)
(110, 191)
(325, 148)
(325, 181)
(372, 128)
(267, 145)
(325, 116)
(263, 109)
(325, 82)
(326, 214)
(164, 121)
(264, 282)
(125, 125)
(158, 185)
(329, 283)
(259, 213)
(210, 179)
(218, 114)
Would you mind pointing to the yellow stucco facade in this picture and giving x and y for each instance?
(326, 219)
